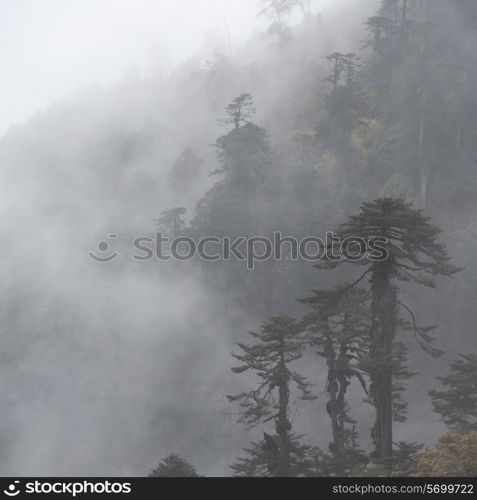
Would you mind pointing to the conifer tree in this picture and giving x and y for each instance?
(457, 404)
(409, 251)
(347, 108)
(244, 163)
(171, 221)
(280, 342)
(345, 68)
(339, 328)
(238, 204)
(405, 458)
(239, 111)
(174, 466)
(380, 34)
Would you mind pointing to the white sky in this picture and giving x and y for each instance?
(50, 48)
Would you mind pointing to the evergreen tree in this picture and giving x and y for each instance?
(405, 458)
(240, 111)
(339, 328)
(239, 206)
(171, 221)
(381, 31)
(279, 343)
(345, 118)
(457, 404)
(174, 466)
(346, 105)
(424, 124)
(345, 69)
(244, 158)
(409, 251)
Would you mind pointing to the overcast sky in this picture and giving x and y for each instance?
(51, 48)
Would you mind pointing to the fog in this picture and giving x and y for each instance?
(50, 49)
(108, 368)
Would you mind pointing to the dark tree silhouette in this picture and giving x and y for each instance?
(174, 466)
(279, 343)
(457, 404)
(413, 254)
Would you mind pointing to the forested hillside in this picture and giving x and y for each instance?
(362, 122)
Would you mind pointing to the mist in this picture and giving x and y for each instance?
(107, 368)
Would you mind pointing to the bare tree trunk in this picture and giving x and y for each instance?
(343, 383)
(337, 385)
(332, 389)
(282, 423)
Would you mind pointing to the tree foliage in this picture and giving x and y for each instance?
(174, 466)
(339, 328)
(411, 252)
(457, 404)
(279, 343)
(454, 456)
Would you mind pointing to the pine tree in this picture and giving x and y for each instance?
(174, 466)
(405, 458)
(345, 68)
(238, 206)
(243, 153)
(339, 328)
(346, 112)
(171, 221)
(457, 405)
(351, 464)
(381, 31)
(279, 343)
(244, 159)
(240, 111)
(409, 251)
(243, 156)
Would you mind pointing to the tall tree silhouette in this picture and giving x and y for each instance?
(457, 403)
(411, 253)
(339, 329)
(279, 343)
